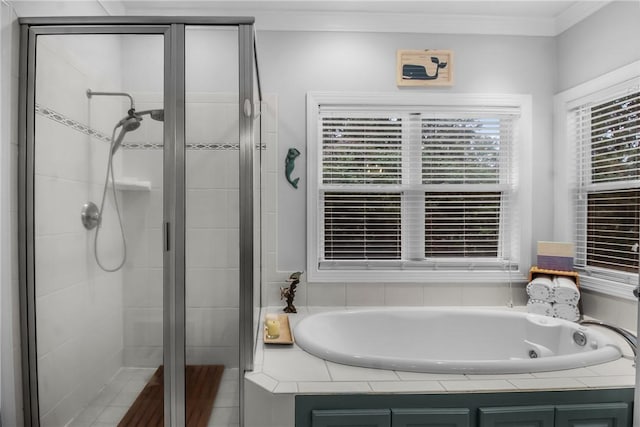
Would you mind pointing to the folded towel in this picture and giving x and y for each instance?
(566, 311)
(565, 291)
(539, 307)
(541, 288)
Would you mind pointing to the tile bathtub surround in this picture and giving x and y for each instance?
(290, 370)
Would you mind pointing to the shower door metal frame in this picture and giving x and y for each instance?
(174, 189)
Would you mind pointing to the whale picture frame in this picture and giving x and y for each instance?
(424, 68)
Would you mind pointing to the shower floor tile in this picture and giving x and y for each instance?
(112, 403)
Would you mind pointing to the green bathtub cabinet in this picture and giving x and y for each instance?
(454, 417)
(390, 418)
(593, 415)
(351, 418)
(575, 408)
(517, 416)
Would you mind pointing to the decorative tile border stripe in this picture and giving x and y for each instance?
(75, 125)
(69, 122)
(213, 146)
(219, 146)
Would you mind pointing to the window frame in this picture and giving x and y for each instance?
(602, 280)
(366, 271)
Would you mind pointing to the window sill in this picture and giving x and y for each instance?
(416, 276)
(608, 287)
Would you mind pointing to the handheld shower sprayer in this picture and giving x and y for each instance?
(93, 217)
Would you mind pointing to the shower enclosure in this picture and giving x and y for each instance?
(139, 195)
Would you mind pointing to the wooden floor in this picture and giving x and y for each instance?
(202, 382)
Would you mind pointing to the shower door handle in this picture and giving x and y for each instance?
(165, 236)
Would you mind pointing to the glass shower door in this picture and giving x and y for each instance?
(136, 232)
(97, 226)
(212, 226)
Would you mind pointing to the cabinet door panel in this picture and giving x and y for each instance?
(517, 416)
(351, 418)
(594, 415)
(456, 417)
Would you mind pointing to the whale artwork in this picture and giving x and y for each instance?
(419, 72)
(424, 68)
(289, 165)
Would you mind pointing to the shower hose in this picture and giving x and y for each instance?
(115, 202)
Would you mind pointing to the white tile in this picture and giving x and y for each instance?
(227, 399)
(207, 248)
(60, 151)
(112, 414)
(263, 381)
(326, 294)
(154, 242)
(286, 387)
(233, 208)
(270, 192)
(207, 169)
(124, 398)
(442, 295)
(134, 386)
(208, 327)
(224, 355)
(88, 415)
(206, 208)
(333, 387)
(212, 287)
(547, 383)
(340, 372)
(144, 327)
(617, 367)
(405, 386)
(365, 294)
(481, 294)
(52, 264)
(567, 373)
(423, 376)
(498, 376)
(223, 417)
(609, 381)
(294, 366)
(402, 294)
(477, 385)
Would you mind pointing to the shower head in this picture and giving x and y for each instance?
(154, 114)
(128, 124)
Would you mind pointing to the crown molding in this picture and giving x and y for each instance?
(576, 13)
(403, 23)
(326, 19)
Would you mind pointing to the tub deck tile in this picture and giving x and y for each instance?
(406, 387)
(478, 385)
(290, 370)
(547, 384)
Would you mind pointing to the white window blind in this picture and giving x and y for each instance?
(606, 128)
(416, 187)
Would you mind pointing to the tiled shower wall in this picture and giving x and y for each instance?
(212, 282)
(78, 306)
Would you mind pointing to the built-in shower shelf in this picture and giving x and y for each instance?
(132, 184)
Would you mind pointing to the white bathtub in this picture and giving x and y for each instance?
(452, 340)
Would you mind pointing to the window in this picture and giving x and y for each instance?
(596, 143)
(408, 190)
(606, 129)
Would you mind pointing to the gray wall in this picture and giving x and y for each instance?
(603, 42)
(294, 63)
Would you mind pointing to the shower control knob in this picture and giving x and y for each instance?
(636, 292)
(90, 215)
